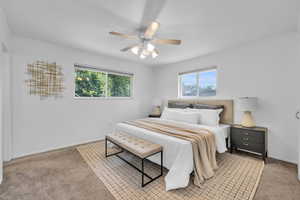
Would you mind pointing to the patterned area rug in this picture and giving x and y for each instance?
(236, 179)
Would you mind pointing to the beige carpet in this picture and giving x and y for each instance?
(236, 179)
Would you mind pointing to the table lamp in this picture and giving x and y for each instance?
(156, 107)
(247, 105)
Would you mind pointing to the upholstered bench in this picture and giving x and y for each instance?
(138, 147)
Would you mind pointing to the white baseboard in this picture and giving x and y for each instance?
(56, 148)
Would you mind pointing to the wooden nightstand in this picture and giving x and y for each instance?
(250, 139)
(154, 116)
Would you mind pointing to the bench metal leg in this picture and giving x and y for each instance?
(108, 155)
(152, 179)
(161, 163)
(105, 147)
(143, 173)
(143, 159)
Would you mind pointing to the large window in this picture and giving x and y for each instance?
(198, 83)
(91, 83)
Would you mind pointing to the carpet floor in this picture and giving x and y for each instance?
(63, 175)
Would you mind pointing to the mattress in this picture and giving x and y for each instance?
(178, 154)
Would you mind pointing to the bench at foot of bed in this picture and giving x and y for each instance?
(138, 147)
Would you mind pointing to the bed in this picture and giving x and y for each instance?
(178, 154)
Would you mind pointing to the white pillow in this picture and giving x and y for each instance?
(180, 116)
(210, 117)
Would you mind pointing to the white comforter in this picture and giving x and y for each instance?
(178, 154)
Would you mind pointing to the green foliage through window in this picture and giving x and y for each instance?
(90, 83)
(118, 86)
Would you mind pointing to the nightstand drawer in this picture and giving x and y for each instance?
(240, 138)
(247, 135)
(250, 146)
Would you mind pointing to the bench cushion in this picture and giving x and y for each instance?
(135, 145)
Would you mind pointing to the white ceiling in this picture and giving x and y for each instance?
(204, 26)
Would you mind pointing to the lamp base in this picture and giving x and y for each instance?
(248, 120)
(156, 111)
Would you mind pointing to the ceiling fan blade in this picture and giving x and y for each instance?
(152, 10)
(127, 48)
(151, 29)
(123, 35)
(166, 41)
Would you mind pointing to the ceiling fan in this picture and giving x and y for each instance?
(146, 47)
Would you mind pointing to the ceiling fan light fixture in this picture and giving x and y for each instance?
(154, 54)
(142, 56)
(150, 47)
(147, 41)
(145, 52)
(135, 50)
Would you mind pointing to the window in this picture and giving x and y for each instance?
(118, 85)
(198, 83)
(91, 82)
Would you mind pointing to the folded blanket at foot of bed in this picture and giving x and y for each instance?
(202, 140)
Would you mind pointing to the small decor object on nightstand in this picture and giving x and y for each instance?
(247, 105)
(156, 112)
(253, 139)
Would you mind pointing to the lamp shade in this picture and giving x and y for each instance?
(247, 103)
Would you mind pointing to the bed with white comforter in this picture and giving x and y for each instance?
(178, 154)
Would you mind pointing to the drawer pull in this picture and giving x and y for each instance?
(246, 144)
(246, 133)
(246, 139)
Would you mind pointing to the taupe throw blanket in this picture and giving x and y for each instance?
(203, 144)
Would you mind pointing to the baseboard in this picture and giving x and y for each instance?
(283, 160)
(269, 158)
(69, 146)
(59, 148)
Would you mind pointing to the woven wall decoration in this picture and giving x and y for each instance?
(46, 79)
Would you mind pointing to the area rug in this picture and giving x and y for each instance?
(236, 179)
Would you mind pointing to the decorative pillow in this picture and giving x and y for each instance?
(175, 109)
(206, 106)
(180, 116)
(179, 105)
(210, 117)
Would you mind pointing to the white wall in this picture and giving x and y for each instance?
(4, 29)
(41, 125)
(267, 69)
(7, 108)
(4, 47)
(298, 109)
(298, 31)
(1, 116)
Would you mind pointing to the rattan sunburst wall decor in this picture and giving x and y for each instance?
(45, 79)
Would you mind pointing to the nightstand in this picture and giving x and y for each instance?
(253, 140)
(154, 116)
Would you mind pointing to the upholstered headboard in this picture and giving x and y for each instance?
(227, 105)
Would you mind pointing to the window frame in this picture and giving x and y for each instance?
(106, 72)
(198, 71)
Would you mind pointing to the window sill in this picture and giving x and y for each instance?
(195, 97)
(103, 98)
